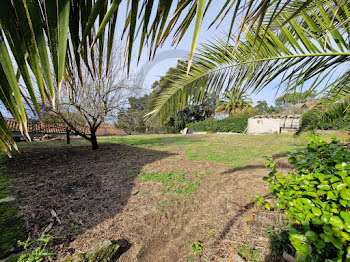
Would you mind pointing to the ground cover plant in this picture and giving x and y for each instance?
(315, 199)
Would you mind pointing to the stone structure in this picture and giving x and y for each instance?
(270, 124)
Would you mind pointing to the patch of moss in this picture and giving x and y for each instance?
(108, 251)
(11, 228)
(11, 225)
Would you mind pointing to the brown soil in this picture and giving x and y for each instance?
(97, 195)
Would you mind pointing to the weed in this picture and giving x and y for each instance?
(73, 226)
(176, 183)
(248, 252)
(35, 250)
(197, 247)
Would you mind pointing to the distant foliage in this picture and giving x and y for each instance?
(263, 108)
(316, 200)
(131, 119)
(336, 117)
(294, 98)
(190, 114)
(237, 123)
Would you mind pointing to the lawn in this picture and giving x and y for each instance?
(172, 197)
(236, 150)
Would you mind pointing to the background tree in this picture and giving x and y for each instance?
(294, 98)
(264, 109)
(234, 101)
(132, 118)
(192, 113)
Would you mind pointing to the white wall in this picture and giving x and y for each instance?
(263, 125)
(270, 125)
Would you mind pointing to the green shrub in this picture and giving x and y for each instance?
(316, 200)
(237, 124)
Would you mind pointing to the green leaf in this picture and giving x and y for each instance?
(341, 186)
(304, 249)
(340, 166)
(324, 187)
(199, 18)
(311, 235)
(337, 243)
(345, 194)
(346, 216)
(336, 221)
(316, 211)
(63, 23)
(345, 235)
(330, 195)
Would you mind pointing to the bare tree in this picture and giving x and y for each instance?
(94, 95)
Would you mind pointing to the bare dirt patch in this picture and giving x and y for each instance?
(98, 196)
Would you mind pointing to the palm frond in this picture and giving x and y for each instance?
(294, 53)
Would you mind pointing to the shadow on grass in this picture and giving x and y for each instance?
(141, 140)
(248, 167)
(82, 186)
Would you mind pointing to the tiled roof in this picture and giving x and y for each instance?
(60, 128)
(277, 116)
(109, 129)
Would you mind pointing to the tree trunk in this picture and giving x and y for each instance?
(68, 137)
(93, 140)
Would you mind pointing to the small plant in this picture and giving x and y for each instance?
(248, 253)
(173, 182)
(35, 251)
(73, 226)
(316, 200)
(197, 247)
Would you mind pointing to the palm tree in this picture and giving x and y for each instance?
(310, 49)
(44, 38)
(234, 101)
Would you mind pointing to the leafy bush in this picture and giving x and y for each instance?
(316, 200)
(237, 124)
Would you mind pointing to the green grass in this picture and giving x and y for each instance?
(176, 183)
(11, 226)
(236, 150)
(155, 141)
(249, 253)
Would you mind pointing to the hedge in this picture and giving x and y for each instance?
(237, 124)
